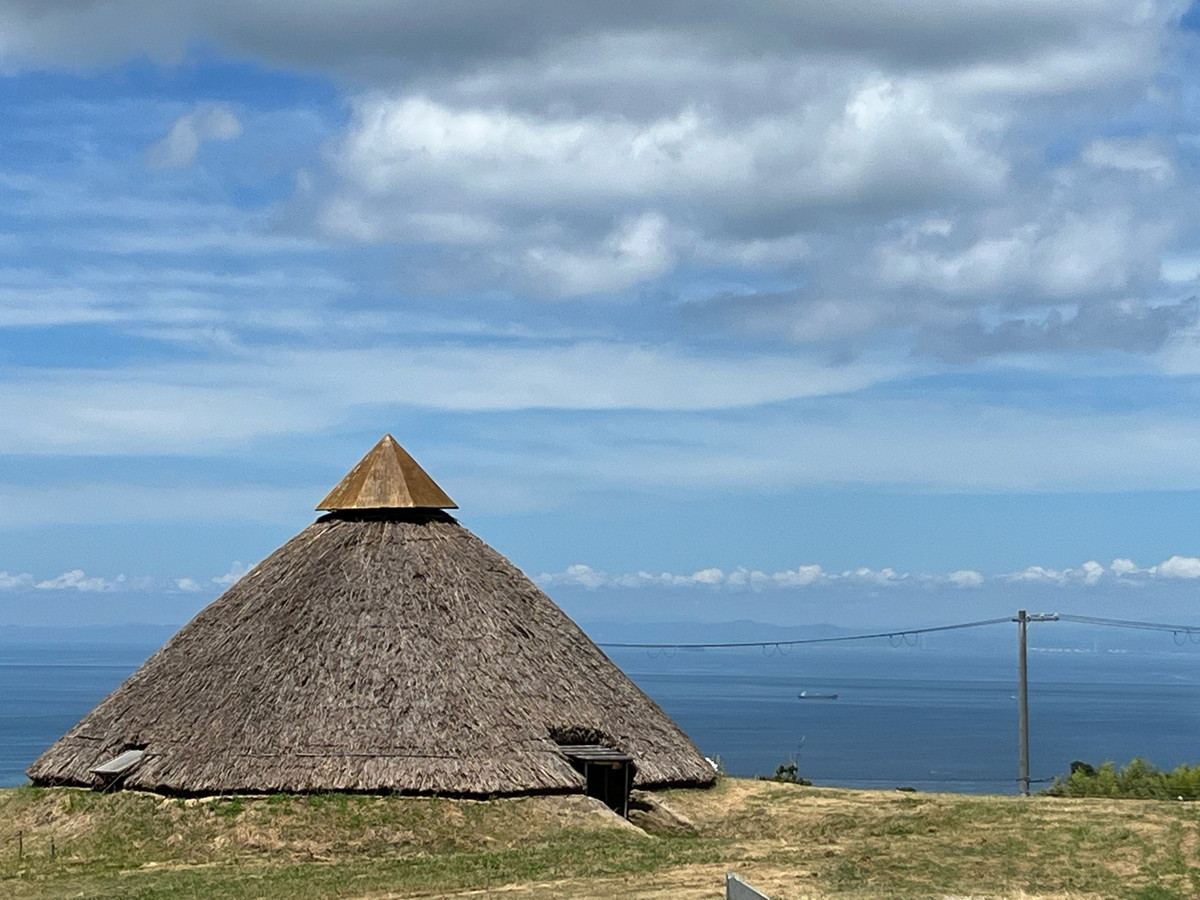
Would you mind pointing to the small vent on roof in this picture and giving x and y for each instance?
(575, 734)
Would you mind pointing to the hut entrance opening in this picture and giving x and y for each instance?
(607, 773)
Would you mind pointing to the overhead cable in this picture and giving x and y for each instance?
(1125, 623)
(900, 633)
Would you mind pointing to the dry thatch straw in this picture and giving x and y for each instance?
(378, 650)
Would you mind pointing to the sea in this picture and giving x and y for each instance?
(932, 717)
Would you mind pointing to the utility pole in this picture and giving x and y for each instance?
(1023, 619)
(1022, 706)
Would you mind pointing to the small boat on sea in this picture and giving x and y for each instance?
(809, 695)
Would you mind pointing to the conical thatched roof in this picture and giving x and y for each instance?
(378, 650)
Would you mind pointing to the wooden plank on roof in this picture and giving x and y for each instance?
(120, 764)
(593, 753)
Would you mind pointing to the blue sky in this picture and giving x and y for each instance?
(903, 291)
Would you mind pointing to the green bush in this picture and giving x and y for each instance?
(788, 773)
(1138, 780)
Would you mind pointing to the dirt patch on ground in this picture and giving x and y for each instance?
(685, 883)
(698, 882)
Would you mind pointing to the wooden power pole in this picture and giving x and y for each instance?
(1023, 619)
(1022, 705)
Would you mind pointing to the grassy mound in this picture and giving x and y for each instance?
(789, 840)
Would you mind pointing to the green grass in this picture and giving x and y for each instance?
(793, 841)
(139, 845)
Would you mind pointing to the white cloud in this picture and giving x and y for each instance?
(1120, 567)
(1065, 254)
(182, 142)
(133, 296)
(412, 165)
(1089, 574)
(1039, 574)
(801, 576)
(1121, 570)
(11, 582)
(78, 580)
(275, 392)
(235, 573)
(523, 149)
(965, 578)
(741, 579)
(1137, 155)
(461, 34)
(1180, 268)
(932, 443)
(536, 162)
(1179, 567)
(894, 129)
(633, 252)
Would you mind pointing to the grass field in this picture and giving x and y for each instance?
(790, 841)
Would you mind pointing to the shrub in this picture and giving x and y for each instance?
(1138, 780)
(787, 773)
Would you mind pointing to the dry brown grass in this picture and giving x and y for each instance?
(795, 843)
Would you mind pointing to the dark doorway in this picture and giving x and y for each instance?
(608, 773)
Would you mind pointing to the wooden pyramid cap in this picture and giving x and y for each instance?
(387, 478)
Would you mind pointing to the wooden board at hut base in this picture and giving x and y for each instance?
(381, 650)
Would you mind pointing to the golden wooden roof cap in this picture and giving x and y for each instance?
(387, 478)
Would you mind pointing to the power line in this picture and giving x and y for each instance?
(1022, 619)
(826, 640)
(1126, 623)
(904, 632)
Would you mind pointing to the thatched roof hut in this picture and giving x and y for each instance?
(384, 648)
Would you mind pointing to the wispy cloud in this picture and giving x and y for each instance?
(233, 576)
(178, 148)
(78, 580)
(14, 582)
(738, 579)
(743, 579)
(288, 390)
